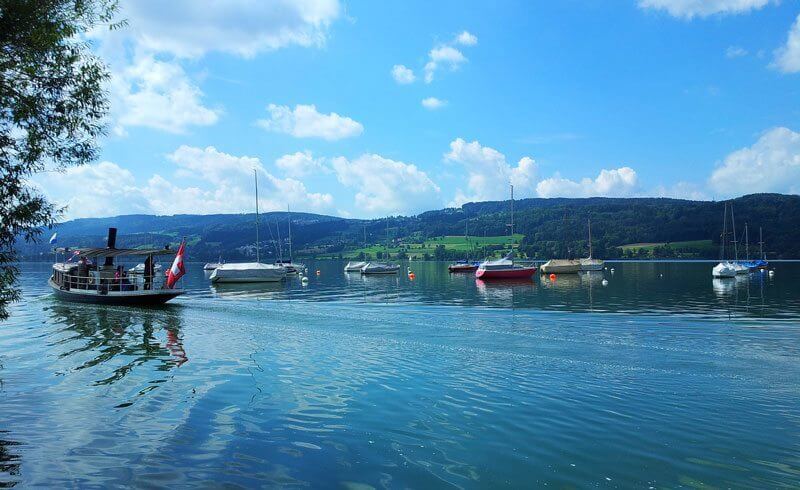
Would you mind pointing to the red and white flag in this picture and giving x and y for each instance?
(176, 271)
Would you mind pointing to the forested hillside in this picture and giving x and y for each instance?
(551, 228)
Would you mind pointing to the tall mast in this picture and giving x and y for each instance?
(590, 238)
(280, 242)
(387, 238)
(289, 212)
(724, 234)
(746, 243)
(735, 247)
(760, 243)
(512, 213)
(255, 176)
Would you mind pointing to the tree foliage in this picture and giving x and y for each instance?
(52, 108)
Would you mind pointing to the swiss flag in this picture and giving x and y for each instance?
(176, 271)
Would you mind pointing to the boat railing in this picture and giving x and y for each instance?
(103, 284)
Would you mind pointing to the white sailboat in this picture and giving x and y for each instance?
(357, 265)
(737, 266)
(590, 263)
(243, 272)
(724, 269)
(381, 267)
(292, 269)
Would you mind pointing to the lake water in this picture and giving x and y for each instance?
(662, 378)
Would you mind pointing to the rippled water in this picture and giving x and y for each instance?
(662, 378)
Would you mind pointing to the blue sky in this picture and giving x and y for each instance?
(681, 98)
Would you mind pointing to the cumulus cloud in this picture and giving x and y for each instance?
(385, 186)
(618, 182)
(432, 103)
(443, 56)
(403, 74)
(305, 122)
(772, 164)
(466, 39)
(159, 95)
(488, 172)
(787, 57)
(300, 164)
(688, 9)
(189, 29)
(205, 180)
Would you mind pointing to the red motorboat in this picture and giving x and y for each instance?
(504, 269)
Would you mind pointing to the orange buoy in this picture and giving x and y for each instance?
(552, 277)
(411, 275)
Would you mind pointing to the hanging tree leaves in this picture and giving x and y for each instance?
(52, 107)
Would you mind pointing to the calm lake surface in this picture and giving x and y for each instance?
(662, 378)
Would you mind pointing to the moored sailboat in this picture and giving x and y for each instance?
(590, 263)
(504, 268)
(724, 269)
(244, 272)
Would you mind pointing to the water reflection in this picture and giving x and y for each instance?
(258, 290)
(10, 461)
(123, 337)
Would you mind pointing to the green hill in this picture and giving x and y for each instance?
(621, 227)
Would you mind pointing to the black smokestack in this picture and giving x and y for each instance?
(111, 243)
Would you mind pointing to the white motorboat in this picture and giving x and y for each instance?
(248, 272)
(354, 266)
(561, 266)
(291, 268)
(380, 268)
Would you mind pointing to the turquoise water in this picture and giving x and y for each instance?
(662, 378)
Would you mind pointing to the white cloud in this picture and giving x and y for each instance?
(432, 103)
(466, 39)
(735, 52)
(619, 182)
(305, 122)
(489, 175)
(300, 164)
(189, 29)
(157, 94)
(403, 74)
(386, 186)
(772, 164)
(689, 9)
(787, 57)
(205, 180)
(443, 55)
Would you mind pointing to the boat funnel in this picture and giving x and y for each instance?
(111, 242)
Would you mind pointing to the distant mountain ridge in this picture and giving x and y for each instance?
(552, 228)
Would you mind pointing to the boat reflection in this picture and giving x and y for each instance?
(564, 281)
(123, 338)
(502, 293)
(256, 290)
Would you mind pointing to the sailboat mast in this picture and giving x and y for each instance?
(735, 247)
(258, 255)
(512, 213)
(760, 243)
(289, 212)
(590, 237)
(746, 243)
(724, 234)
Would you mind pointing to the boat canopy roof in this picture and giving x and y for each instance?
(116, 252)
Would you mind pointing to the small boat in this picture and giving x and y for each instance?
(95, 278)
(723, 270)
(291, 268)
(248, 272)
(354, 266)
(462, 266)
(504, 268)
(589, 263)
(561, 266)
(213, 265)
(379, 268)
(139, 268)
